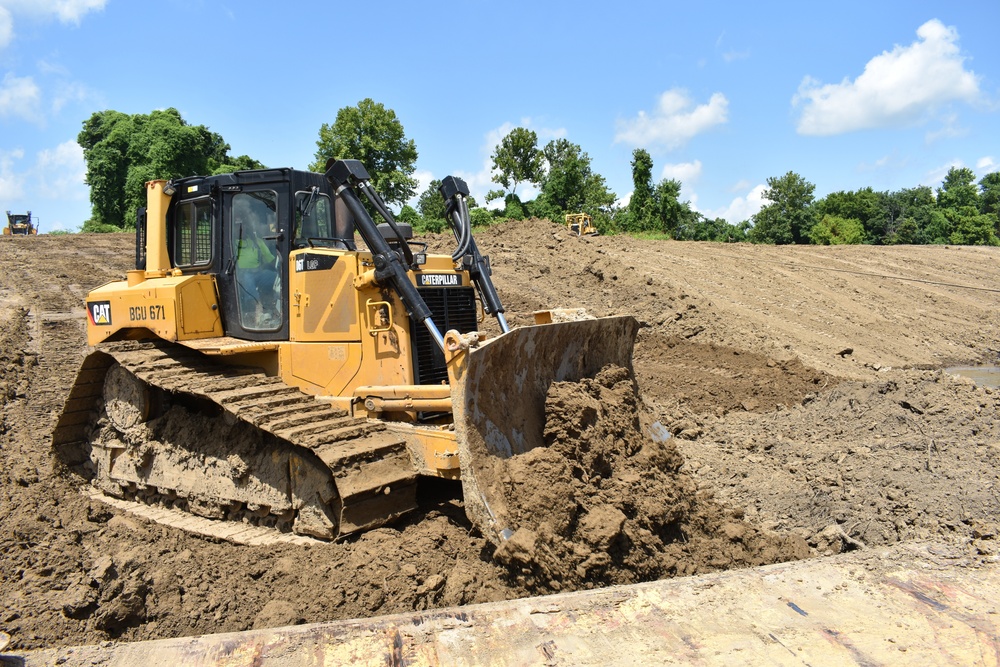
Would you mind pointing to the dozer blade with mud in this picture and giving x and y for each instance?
(499, 406)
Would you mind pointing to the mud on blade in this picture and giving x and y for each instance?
(499, 406)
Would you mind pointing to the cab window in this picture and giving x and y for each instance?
(313, 218)
(193, 233)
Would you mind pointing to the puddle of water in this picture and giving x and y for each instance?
(984, 376)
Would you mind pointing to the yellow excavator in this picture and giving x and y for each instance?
(258, 366)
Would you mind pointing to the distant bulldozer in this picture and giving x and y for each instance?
(580, 224)
(19, 224)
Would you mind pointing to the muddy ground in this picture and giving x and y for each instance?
(802, 388)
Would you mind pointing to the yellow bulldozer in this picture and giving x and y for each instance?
(20, 224)
(580, 224)
(258, 366)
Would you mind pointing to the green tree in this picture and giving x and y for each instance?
(409, 215)
(639, 206)
(866, 206)
(790, 215)
(671, 215)
(513, 208)
(481, 217)
(835, 230)
(700, 228)
(658, 208)
(431, 204)
(970, 227)
(939, 228)
(904, 231)
(959, 203)
(123, 152)
(238, 163)
(105, 139)
(958, 189)
(516, 160)
(372, 134)
(570, 185)
(910, 215)
(989, 197)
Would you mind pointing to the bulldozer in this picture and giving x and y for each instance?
(20, 224)
(262, 364)
(581, 224)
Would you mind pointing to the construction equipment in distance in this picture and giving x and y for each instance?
(19, 224)
(580, 224)
(258, 366)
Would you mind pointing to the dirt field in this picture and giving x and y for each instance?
(802, 387)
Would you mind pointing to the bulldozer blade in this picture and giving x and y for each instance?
(499, 403)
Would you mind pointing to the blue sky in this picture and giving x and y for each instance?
(723, 96)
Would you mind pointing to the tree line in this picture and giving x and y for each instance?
(122, 152)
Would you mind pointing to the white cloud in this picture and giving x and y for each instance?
(424, 179)
(880, 163)
(11, 182)
(902, 86)
(60, 172)
(19, 96)
(66, 11)
(731, 54)
(6, 27)
(688, 174)
(71, 11)
(950, 129)
(675, 121)
(740, 208)
(70, 91)
(48, 67)
(986, 164)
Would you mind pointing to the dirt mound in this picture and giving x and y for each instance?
(604, 504)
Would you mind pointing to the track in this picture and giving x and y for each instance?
(227, 442)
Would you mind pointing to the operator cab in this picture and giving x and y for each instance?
(241, 227)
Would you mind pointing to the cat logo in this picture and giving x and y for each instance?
(437, 280)
(100, 313)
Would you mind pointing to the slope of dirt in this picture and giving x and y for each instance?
(798, 384)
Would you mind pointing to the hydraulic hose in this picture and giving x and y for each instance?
(343, 174)
(379, 204)
(455, 191)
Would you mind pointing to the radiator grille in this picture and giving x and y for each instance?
(451, 308)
